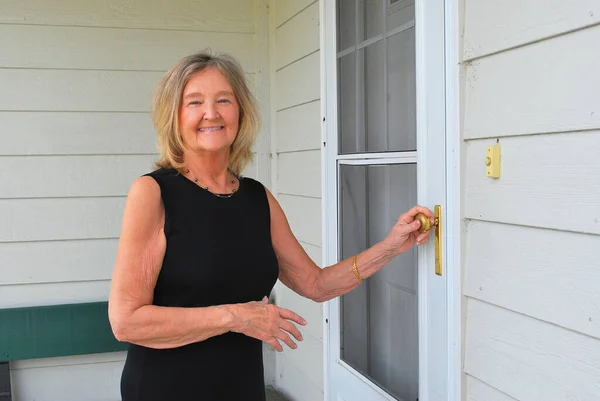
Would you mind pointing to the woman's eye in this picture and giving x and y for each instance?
(195, 103)
(224, 101)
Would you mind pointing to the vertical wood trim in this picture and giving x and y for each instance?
(263, 92)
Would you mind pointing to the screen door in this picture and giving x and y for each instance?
(385, 153)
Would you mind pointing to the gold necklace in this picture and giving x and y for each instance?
(197, 181)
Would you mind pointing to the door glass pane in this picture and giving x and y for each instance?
(347, 102)
(346, 24)
(372, 77)
(379, 332)
(370, 18)
(382, 83)
(401, 99)
(399, 12)
(365, 131)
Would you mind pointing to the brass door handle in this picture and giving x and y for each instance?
(426, 226)
(426, 222)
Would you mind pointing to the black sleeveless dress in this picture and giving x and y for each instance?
(219, 251)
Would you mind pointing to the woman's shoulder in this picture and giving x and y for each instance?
(151, 184)
(144, 186)
(162, 172)
(252, 184)
(252, 181)
(164, 177)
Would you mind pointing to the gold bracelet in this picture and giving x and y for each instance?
(355, 269)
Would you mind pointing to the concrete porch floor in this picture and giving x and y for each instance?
(274, 395)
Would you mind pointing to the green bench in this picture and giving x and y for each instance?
(57, 330)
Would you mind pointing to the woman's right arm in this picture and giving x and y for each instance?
(140, 255)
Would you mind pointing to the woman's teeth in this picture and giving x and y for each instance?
(211, 129)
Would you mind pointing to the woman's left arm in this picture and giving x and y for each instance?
(301, 274)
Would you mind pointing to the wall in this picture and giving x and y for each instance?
(532, 237)
(77, 79)
(295, 72)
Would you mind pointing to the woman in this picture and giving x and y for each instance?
(201, 249)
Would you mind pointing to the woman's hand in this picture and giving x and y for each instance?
(405, 232)
(266, 322)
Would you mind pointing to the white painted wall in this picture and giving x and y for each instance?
(531, 270)
(295, 73)
(76, 81)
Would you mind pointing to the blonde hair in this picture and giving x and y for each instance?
(167, 100)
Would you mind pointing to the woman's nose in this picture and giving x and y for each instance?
(211, 112)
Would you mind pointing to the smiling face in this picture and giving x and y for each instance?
(209, 113)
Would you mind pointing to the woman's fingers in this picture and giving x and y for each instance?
(409, 216)
(414, 226)
(273, 342)
(271, 324)
(286, 326)
(422, 239)
(288, 314)
(283, 336)
(293, 330)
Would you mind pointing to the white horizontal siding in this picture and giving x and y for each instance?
(315, 252)
(304, 216)
(479, 391)
(549, 181)
(298, 82)
(547, 274)
(531, 237)
(48, 133)
(496, 25)
(295, 383)
(303, 357)
(298, 37)
(69, 383)
(286, 9)
(76, 47)
(70, 176)
(535, 89)
(17, 296)
(529, 359)
(77, 90)
(262, 91)
(295, 66)
(60, 218)
(300, 173)
(76, 260)
(299, 128)
(194, 15)
(68, 360)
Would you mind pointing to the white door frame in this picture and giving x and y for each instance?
(452, 221)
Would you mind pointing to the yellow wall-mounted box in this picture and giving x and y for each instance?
(492, 161)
